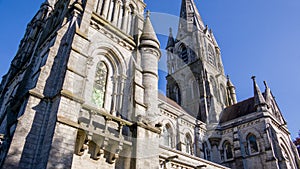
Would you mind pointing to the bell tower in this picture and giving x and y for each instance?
(196, 78)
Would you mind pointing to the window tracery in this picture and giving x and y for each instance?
(211, 55)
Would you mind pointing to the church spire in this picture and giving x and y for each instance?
(148, 37)
(259, 100)
(171, 42)
(190, 18)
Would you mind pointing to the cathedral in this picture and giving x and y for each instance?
(82, 93)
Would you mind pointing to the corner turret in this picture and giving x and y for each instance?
(148, 37)
(150, 54)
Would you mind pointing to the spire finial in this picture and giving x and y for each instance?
(266, 84)
(268, 94)
(229, 83)
(148, 35)
(171, 42)
(259, 100)
(148, 13)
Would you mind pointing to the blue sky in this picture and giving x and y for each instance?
(256, 37)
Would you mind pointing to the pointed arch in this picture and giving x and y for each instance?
(177, 94)
(287, 160)
(286, 154)
(107, 91)
(183, 53)
(131, 20)
(227, 151)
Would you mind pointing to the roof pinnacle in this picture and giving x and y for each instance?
(148, 37)
(259, 100)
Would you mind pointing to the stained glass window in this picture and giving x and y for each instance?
(100, 84)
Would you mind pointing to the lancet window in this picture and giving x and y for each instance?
(252, 144)
(100, 82)
(211, 55)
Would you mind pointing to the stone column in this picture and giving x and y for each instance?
(125, 18)
(120, 17)
(105, 8)
(114, 95)
(121, 93)
(116, 13)
(111, 9)
(129, 22)
(99, 7)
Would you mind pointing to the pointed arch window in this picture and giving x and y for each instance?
(252, 144)
(100, 82)
(131, 19)
(188, 144)
(177, 95)
(227, 153)
(184, 53)
(167, 135)
(211, 55)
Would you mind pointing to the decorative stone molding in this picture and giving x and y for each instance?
(112, 33)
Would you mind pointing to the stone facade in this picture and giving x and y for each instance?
(82, 92)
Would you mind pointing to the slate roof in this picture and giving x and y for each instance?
(235, 111)
(169, 101)
(240, 109)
